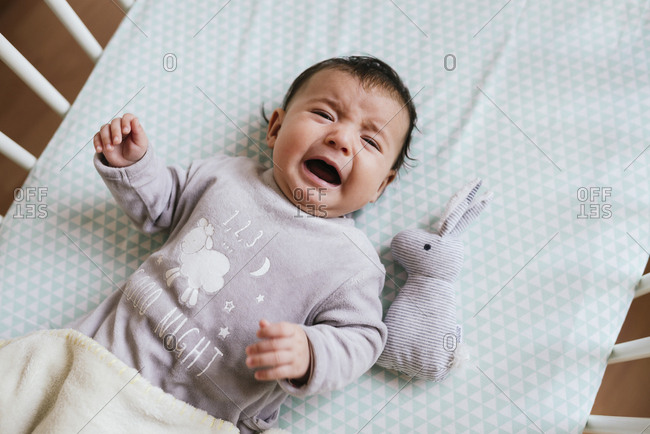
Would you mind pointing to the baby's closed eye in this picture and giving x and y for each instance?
(370, 141)
(323, 114)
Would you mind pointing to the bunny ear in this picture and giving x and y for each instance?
(472, 213)
(457, 206)
(461, 209)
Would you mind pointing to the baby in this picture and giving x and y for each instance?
(264, 287)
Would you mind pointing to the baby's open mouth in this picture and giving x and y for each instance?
(324, 171)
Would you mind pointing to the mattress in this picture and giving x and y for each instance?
(547, 102)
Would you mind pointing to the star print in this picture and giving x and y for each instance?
(260, 298)
(229, 306)
(159, 260)
(224, 332)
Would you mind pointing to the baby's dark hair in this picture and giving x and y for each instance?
(371, 72)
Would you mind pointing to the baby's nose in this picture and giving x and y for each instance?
(340, 140)
(339, 145)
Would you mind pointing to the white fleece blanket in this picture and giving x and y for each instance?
(56, 381)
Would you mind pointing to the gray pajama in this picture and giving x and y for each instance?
(238, 251)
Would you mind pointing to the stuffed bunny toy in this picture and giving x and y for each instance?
(423, 336)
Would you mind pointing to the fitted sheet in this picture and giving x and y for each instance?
(548, 103)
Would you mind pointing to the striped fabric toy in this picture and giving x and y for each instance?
(423, 335)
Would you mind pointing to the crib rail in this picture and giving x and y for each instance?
(34, 79)
(76, 27)
(624, 352)
(643, 287)
(632, 350)
(616, 424)
(37, 82)
(16, 153)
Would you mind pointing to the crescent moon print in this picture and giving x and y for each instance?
(263, 269)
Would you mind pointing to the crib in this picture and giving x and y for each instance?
(562, 145)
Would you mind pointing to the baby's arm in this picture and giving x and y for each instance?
(146, 190)
(345, 338)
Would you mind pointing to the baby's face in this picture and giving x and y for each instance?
(334, 146)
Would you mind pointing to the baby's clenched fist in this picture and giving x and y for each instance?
(123, 141)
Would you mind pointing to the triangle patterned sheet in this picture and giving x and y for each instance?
(548, 103)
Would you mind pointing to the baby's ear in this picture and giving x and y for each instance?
(389, 178)
(274, 126)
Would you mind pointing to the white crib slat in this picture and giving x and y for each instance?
(16, 153)
(643, 287)
(631, 350)
(126, 4)
(32, 77)
(76, 27)
(597, 424)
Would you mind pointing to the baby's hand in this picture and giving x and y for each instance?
(123, 141)
(284, 350)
